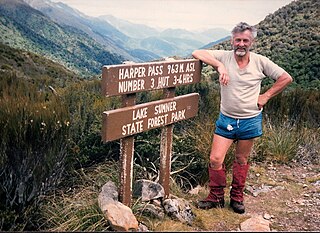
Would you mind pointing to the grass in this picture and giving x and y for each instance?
(76, 208)
(76, 212)
(209, 220)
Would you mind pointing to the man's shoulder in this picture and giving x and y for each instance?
(266, 64)
(258, 57)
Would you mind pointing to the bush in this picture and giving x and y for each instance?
(34, 128)
(85, 105)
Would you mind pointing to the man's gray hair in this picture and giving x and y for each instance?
(242, 26)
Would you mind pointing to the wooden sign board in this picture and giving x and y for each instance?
(138, 77)
(120, 123)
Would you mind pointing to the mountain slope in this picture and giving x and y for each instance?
(112, 39)
(133, 30)
(291, 37)
(34, 67)
(126, 38)
(26, 28)
(168, 42)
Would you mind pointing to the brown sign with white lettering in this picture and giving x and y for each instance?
(120, 123)
(125, 79)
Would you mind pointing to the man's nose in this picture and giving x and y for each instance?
(241, 43)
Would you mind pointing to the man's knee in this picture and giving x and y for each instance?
(216, 163)
(242, 160)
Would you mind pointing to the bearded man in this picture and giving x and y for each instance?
(240, 120)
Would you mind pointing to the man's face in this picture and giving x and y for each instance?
(241, 43)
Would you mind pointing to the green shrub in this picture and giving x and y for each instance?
(85, 106)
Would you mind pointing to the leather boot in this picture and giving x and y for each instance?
(217, 184)
(239, 175)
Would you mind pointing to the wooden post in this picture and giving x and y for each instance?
(166, 149)
(126, 158)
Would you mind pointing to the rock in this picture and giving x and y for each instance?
(267, 216)
(179, 209)
(152, 211)
(142, 228)
(316, 183)
(148, 190)
(255, 224)
(263, 189)
(119, 216)
(109, 190)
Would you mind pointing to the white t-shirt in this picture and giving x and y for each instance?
(240, 97)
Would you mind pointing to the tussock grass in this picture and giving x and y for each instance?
(76, 208)
(76, 211)
(282, 143)
(287, 143)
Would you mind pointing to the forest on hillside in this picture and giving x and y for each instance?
(50, 124)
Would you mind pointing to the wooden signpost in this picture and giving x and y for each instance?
(135, 119)
(125, 79)
(124, 123)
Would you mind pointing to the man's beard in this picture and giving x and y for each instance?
(241, 52)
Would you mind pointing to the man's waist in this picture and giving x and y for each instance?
(241, 113)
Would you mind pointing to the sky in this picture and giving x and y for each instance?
(185, 14)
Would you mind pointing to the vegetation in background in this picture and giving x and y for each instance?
(35, 68)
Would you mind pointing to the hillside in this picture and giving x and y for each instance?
(33, 67)
(100, 30)
(120, 36)
(291, 38)
(167, 42)
(125, 38)
(26, 28)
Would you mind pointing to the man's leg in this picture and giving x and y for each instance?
(217, 173)
(239, 174)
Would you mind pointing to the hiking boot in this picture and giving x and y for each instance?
(239, 175)
(217, 184)
(237, 206)
(206, 204)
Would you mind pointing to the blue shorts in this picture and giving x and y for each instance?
(239, 129)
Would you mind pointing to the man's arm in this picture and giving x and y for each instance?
(207, 58)
(282, 82)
